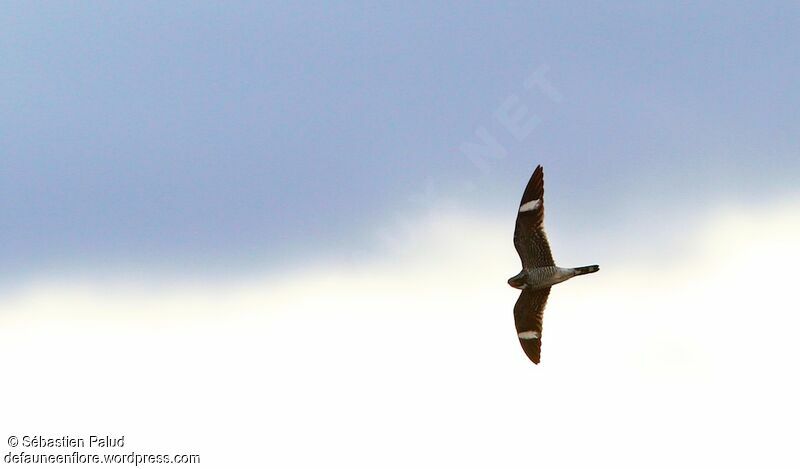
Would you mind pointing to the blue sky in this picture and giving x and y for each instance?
(255, 225)
(189, 136)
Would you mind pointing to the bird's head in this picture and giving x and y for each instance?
(518, 281)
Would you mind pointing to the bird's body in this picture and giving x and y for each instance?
(539, 271)
(545, 277)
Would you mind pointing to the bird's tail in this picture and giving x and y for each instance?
(589, 269)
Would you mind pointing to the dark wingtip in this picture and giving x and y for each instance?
(532, 349)
(535, 188)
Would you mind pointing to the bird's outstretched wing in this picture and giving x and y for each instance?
(528, 314)
(529, 236)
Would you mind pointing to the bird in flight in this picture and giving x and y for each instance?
(539, 272)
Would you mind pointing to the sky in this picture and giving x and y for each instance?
(280, 231)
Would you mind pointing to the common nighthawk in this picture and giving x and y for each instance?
(539, 272)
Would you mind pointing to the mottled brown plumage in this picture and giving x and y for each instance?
(539, 272)
(528, 315)
(529, 236)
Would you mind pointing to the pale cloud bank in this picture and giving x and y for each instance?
(413, 360)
